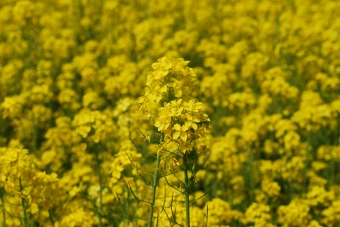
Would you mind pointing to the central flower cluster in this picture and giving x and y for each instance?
(181, 119)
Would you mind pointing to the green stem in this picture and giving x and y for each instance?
(186, 190)
(100, 209)
(2, 195)
(51, 218)
(154, 186)
(23, 205)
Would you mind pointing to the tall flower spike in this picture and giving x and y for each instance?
(180, 116)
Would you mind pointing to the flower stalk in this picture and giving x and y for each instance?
(186, 190)
(2, 194)
(100, 208)
(154, 188)
(23, 205)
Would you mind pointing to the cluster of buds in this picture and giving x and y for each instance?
(181, 118)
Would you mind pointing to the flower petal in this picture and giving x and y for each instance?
(184, 136)
(176, 135)
(177, 127)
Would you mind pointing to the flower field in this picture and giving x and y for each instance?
(170, 113)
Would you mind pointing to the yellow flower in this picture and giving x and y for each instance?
(181, 131)
(33, 208)
(162, 63)
(192, 106)
(163, 124)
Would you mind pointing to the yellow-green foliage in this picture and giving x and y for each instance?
(75, 151)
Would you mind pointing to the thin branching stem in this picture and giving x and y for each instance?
(51, 217)
(186, 190)
(134, 195)
(170, 184)
(23, 204)
(2, 195)
(203, 194)
(100, 208)
(154, 186)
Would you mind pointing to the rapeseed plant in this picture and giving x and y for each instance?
(181, 120)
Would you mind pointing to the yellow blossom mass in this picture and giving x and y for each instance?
(92, 91)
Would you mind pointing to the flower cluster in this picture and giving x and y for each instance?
(26, 193)
(181, 119)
